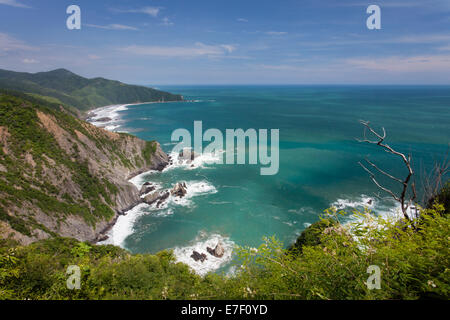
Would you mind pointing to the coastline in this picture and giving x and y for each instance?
(103, 234)
(110, 112)
(87, 114)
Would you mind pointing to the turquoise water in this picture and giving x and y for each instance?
(318, 158)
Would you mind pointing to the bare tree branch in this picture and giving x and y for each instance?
(372, 176)
(408, 188)
(383, 172)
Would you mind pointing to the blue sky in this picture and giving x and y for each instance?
(231, 42)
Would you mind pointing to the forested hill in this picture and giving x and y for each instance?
(69, 89)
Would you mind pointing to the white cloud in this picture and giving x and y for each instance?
(228, 47)
(423, 38)
(275, 33)
(397, 3)
(403, 64)
(14, 3)
(30, 61)
(8, 44)
(280, 67)
(112, 27)
(444, 48)
(199, 49)
(166, 22)
(151, 11)
(93, 57)
(242, 20)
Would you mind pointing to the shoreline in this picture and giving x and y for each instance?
(89, 116)
(103, 235)
(86, 114)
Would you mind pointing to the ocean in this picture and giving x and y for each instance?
(318, 166)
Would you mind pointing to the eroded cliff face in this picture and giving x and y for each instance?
(63, 176)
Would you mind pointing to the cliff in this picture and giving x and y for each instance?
(62, 176)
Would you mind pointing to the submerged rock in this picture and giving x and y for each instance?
(198, 256)
(218, 251)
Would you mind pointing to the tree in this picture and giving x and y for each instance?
(408, 188)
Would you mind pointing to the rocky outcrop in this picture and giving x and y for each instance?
(159, 197)
(156, 197)
(198, 256)
(146, 188)
(218, 251)
(179, 190)
(187, 154)
(104, 119)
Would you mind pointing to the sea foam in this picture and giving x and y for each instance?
(200, 161)
(199, 244)
(111, 112)
(124, 225)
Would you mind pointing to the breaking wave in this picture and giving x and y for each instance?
(124, 225)
(199, 244)
(108, 117)
(200, 161)
(386, 207)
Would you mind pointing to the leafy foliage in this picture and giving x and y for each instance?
(414, 264)
(311, 236)
(442, 197)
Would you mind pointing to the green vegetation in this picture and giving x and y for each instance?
(414, 264)
(442, 197)
(150, 148)
(311, 236)
(64, 87)
(33, 184)
(329, 260)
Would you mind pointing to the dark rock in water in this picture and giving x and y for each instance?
(146, 188)
(369, 202)
(102, 237)
(149, 199)
(218, 251)
(198, 256)
(187, 154)
(161, 166)
(162, 198)
(158, 197)
(179, 190)
(104, 119)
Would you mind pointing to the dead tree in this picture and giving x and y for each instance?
(408, 188)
